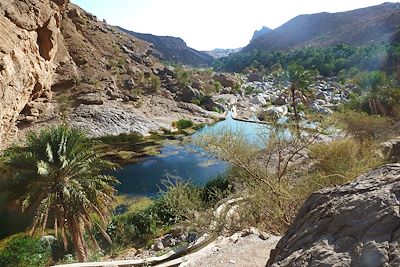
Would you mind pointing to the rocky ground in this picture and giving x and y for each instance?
(246, 248)
(261, 95)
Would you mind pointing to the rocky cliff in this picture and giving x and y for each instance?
(60, 63)
(352, 225)
(29, 31)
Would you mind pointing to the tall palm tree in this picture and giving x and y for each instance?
(60, 175)
(299, 80)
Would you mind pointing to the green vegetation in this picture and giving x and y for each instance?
(329, 61)
(299, 80)
(25, 251)
(178, 202)
(183, 124)
(274, 177)
(364, 127)
(183, 76)
(155, 82)
(59, 173)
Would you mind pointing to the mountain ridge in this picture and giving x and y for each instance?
(173, 49)
(368, 25)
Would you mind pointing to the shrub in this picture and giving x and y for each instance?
(216, 189)
(342, 160)
(179, 201)
(25, 251)
(155, 82)
(217, 86)
(363, 126)
(183, 124)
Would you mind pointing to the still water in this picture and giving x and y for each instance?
(144, 178)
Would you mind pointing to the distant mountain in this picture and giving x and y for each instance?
(220, 52)
(369, 25)
(261, 32)
(173, 49)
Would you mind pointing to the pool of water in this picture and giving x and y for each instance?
(185, 160)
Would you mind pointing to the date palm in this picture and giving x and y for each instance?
(60, 174)
(377, 92)
(299, 80)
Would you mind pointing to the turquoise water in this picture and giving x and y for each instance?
(185, 160)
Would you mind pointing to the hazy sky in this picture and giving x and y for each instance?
(209, 24)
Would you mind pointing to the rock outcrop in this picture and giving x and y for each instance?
(54, 56)
(29, 31)
(357, 224)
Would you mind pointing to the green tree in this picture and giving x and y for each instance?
(299, 80)
(375, 86)
(60, 174)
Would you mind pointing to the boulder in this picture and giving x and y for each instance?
(90, 99)
(356, 224)
(226, 80)
(391, 149)
(255, 77)
(188, 94)
(258, 100)
(277, 111)
(314, 106)
(280, 101)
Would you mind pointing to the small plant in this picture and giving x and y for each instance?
(183, 124)
(217, 86)
(155, 82)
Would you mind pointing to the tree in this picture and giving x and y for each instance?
(299, 80)
(376, 87)
(60, 174)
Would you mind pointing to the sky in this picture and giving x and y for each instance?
(208, 24)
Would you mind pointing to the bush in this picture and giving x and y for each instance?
(342, 160)
(25, 251)
(216, 189)
(363, 126)
(183, 124)
(179, 201)
(155, 82)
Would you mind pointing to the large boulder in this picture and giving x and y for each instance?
(356, 224)
(391, 149)
(188, 94)
(227, 80)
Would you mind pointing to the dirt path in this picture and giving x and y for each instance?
(241, 249)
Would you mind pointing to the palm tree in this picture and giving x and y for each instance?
(376, 92)
(299, 80)
(60, 175)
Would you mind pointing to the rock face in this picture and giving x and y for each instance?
(352, 225)
(28, 44)
(54, 55)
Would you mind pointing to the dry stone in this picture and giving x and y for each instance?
(357, 224)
